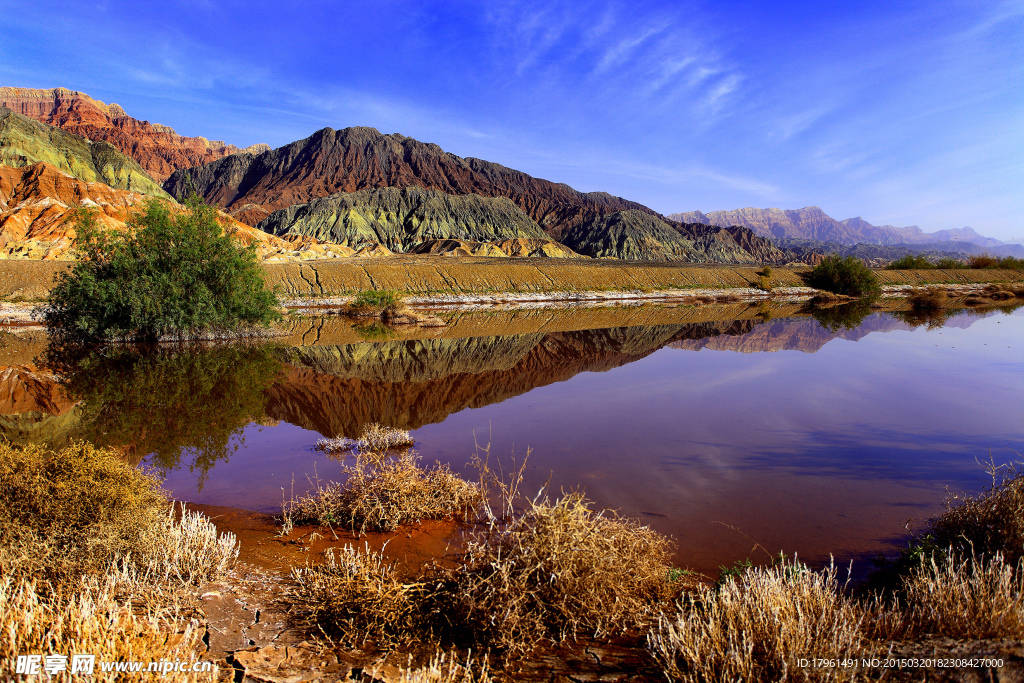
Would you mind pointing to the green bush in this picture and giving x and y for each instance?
(170, 275)
(911, 262)
(949, 264)
(848, 276)
(378, 299)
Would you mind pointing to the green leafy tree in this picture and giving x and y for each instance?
(848, 276)
(170, 275)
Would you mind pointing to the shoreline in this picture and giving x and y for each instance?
(559, 299)
(19, 314)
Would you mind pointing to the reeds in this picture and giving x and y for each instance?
(184, 549)
(444, 668)
(383, 495)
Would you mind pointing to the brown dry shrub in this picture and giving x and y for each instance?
(74, 512)
(972, 597)
(1000, 292)
(91, 620)
(756, 626)
(382, 495)
(553, 572)
(929, 299)
(357, 596)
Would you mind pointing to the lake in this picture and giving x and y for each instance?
(737, 430)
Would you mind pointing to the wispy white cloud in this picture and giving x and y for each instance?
(660, 57)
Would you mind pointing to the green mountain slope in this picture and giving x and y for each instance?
(402, 218)
(24, 142)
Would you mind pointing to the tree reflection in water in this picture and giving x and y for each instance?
(842, 316)
(173, 402)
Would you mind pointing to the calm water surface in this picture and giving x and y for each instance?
(732, 436)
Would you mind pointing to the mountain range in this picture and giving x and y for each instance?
(358, 191)
(158, 149)
(812, 224)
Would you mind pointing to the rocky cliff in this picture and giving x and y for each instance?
(807, 223)
(24, 141)
(400, 218)
(158, 149)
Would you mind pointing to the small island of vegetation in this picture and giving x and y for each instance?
(171, 275)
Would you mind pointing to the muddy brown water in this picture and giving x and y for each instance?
(738, 430)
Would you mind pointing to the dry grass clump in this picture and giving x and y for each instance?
(556, 570)
(1004, 292)
(357, 596)
(375, 437)
(381, 496)
(93, 557)
(973, 597)
(986, 524)
(553, 572)
(756, 627)
(92, 620)
(444, 669)
(74, 511)
(185, 549)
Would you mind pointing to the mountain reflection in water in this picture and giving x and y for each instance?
(821, 453)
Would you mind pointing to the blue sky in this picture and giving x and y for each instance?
(902, 113)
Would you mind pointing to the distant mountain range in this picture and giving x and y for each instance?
(811, 225)
(357, 191)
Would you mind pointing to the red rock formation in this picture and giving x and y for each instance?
(157, 148)
(38, 205)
